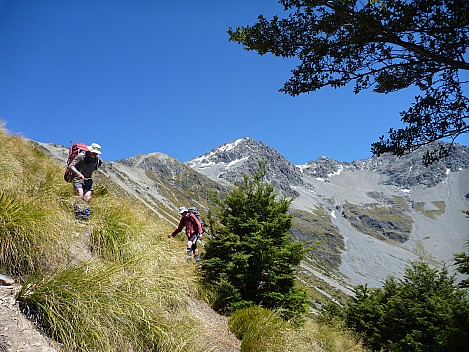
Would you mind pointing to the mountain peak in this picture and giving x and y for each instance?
(228, 162)
(138, 159)
(229, 152)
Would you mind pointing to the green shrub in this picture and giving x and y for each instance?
(424, 311)
(251, 257)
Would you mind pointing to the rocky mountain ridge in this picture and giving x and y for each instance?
(227, 163)
(380, 213)
(240, 156)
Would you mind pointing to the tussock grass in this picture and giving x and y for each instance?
(33, 235)
(139, 305)
(115, 225)
(33, 222)
(263, 330)
(19, 233)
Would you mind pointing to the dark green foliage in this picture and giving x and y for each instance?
(462, 261)
(385, 45)
(424, 311)
(250, 256)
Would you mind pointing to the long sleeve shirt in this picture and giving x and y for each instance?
(85, 164)
(191, 223)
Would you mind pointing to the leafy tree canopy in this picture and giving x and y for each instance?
(386, 45)
(250, 256)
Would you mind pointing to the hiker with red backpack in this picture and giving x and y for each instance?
(82, 166)
(194, 232)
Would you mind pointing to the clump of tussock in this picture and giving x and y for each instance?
(26, 169)
(33, 222)
(99, 305)
(32, 235)
(263, 330)
(20, 229)
(114, 226)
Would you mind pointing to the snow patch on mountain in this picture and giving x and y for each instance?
(232, 145)
(234, 162)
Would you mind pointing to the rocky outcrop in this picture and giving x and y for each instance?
(408, 170)
(323, 167)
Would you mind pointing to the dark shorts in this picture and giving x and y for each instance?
(87, 184)
(194, 237)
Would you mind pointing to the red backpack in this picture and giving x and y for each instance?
(72, 153)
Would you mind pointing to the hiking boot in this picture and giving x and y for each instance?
(87, 211)
(189, 259)
(197, 259)
(81, 217)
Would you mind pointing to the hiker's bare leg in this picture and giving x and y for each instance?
(87, 196)
(79, 192)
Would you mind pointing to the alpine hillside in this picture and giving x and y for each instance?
(364, 220)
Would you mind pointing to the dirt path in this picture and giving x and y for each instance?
(217, 336)
(17, 333)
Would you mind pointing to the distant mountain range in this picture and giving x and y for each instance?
(365, 220)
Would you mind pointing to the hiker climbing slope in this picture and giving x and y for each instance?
(193, 232)
(83, 166)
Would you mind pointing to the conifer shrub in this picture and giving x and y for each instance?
(423, 311)
(250, 256)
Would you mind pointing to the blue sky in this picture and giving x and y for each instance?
(141, 76)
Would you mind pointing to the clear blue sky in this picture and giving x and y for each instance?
(141, 76)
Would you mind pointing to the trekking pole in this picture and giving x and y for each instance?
(208, 233)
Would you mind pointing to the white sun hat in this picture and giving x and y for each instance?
(182, 210)
(95, 148)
